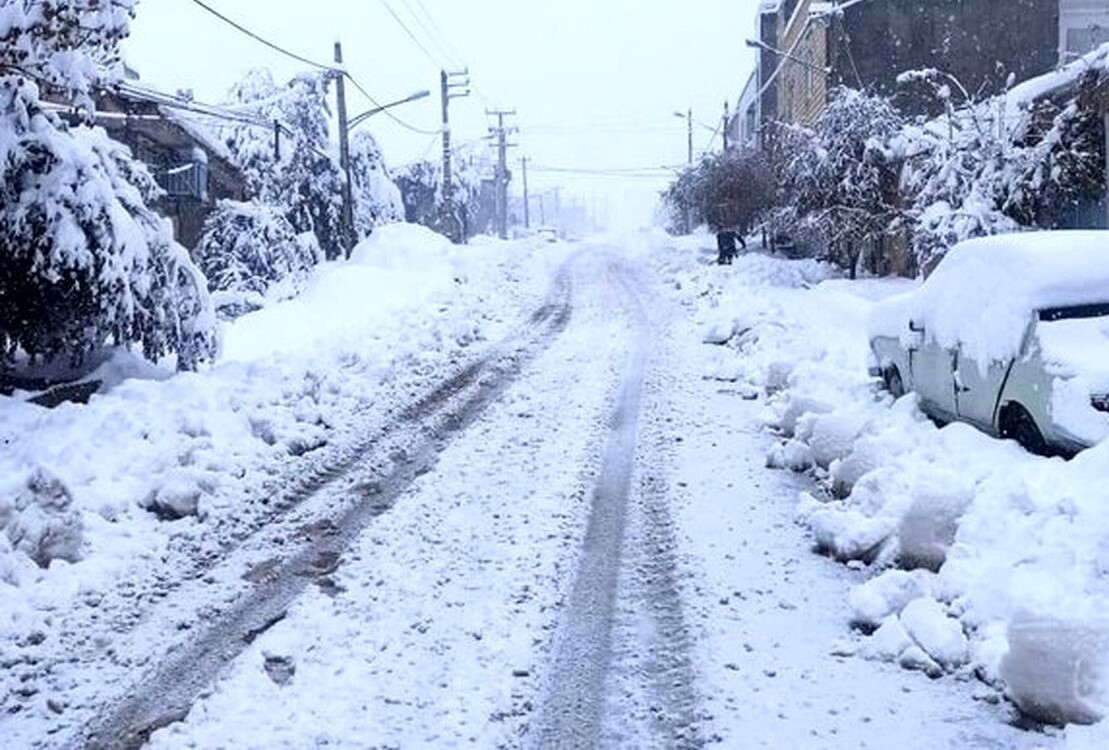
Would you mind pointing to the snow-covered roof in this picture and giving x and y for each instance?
(985, 291)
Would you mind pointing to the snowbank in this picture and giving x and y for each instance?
(983, 560)
(88, 492)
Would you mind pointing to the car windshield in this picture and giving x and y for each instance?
(1076, 338)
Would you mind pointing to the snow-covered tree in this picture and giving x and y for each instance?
(377, 199)
(84, 263)
(840, 183)
(306, 182)
(729, 190)
(68, 44)
(246, 249)
(988, 168)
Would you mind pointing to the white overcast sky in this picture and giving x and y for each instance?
(595, 82)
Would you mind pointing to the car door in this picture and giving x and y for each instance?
(977, 389)
(933, 368)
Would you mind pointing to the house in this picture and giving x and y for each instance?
(185, 158)
(816, 46)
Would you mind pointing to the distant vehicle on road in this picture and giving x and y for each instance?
(1010, 334)
(550, 234)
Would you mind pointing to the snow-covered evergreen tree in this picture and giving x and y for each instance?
(68, 44)
(377, 199)
(84, 263)
(246, 249)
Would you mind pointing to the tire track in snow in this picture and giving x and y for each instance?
(574, 712)
(165, 693)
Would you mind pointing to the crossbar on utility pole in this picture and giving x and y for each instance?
(347, 218)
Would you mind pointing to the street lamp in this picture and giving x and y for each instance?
(356, 121)
(756, 44)
(688, 117)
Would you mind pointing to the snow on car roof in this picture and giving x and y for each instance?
(985, 291)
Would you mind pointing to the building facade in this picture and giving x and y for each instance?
(866, 44)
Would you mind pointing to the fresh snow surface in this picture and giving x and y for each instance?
(984, 294)
(1013, 547)
(77, 483)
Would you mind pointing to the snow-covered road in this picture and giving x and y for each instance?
(573, 542)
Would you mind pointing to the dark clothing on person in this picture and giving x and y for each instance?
(726, 246)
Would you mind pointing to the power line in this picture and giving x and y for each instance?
(257, 38)
(447, 46)
(411, 36)
(428, 33)
(329, 68)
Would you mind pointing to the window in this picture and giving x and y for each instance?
(1083, 27)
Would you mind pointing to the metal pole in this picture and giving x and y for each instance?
(527, 205)
(344, 155)
(502, 179)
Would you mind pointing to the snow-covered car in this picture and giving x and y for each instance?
(1010, 334)
(549, 234)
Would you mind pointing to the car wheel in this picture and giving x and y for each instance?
(1017, 424)
(892, 378)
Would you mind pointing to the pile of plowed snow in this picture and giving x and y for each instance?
(985, 561)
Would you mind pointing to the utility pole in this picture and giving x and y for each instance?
(344, 153)
(527, 205)
(724, 130)
(501, 133)
(689, 134)
(449, 83)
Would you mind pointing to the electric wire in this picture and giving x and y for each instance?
(330, 68)
(412, 36)
(262, 40)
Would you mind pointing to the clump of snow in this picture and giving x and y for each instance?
(1057, 667)
(40, 521)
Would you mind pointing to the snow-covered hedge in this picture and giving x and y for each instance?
(246, 249)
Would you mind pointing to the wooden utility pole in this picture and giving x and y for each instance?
(448, 90)
(501, 134)
(527, 205)
(724, 129)
(347, 218)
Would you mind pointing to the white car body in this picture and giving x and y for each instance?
(1009, 334)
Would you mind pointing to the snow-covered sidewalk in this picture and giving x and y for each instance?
(105, 507)
(969, 557)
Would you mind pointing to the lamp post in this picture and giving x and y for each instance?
(688, 117)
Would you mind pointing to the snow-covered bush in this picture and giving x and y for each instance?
(726, 190)
(247, 248)
(84, 263)
(377, 199)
